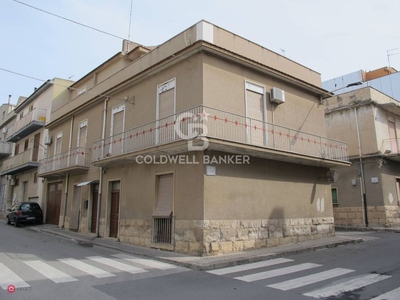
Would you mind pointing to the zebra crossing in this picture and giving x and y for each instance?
(58, 271)
(333, 282)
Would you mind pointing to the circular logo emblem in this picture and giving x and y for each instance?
(11, 289)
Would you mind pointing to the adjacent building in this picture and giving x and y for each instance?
(367, 193)
(205, 144)
(25, 134)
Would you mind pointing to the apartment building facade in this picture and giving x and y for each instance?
(26, 135)
(206, 144)
(367, 193)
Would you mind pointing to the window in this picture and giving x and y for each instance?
(162, 216)
(81, 144)
(26, 144)
(35, 177)
(165, 112)
(21, 115)
(16, 149)
(255, 113)
(117, 128)
(334, 196)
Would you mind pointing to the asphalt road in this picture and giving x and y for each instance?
(43, 266)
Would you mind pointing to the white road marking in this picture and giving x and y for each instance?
(277, 272)
(251, 266)
(310, 279)
(347, 286)
(84, 267)
(392, 295)
(50, 272)
(8, 277)
(117, 265)
(146, 262)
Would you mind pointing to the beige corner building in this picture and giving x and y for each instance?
(367, 193)
(205, 144)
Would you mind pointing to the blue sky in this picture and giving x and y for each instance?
(331, 37)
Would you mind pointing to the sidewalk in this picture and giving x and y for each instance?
(196, 262)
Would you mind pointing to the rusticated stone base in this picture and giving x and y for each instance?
(387, 216)
(135, 231)
(211, 237)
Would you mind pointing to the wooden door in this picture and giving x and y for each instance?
(54, 196)
(114, 212)
(95, 196)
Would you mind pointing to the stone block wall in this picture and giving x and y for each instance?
(135, 231)
(211, 237)
(386, 216)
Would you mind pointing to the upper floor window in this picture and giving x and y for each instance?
(166, 108)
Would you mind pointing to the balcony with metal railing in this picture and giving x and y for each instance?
(5, 149)
(21, 162)
(28, 124)
(75, 161)
(226, 132)
(390, 149)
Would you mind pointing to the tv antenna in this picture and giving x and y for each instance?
(390, 53)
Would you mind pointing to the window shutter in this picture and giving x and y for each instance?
(166, 106)
(82, 137)
(255, 111)
(164, 196)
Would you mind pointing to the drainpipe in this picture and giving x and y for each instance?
(103, 135)
(65, 199)
(67, 176)
(362, 179)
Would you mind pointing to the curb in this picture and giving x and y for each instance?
(377, 229)
(211, 265)
(263, 257)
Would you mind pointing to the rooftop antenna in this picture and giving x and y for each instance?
(129, 29)
(390, 53)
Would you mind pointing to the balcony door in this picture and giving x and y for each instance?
(165, 115)
(57, 151)
(393, 136)
(81, 151)
(36, 142)
(256, 116)
(117, 128)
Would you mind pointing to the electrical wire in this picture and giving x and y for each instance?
(61, 85)
(69, 20)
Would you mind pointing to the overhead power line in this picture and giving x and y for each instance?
(69, 20)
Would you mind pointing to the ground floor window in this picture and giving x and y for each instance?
(334, 196)
(163, 212)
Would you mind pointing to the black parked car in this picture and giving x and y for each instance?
(25, 212)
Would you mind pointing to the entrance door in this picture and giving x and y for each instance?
(54, 195)
(95, 196)
(114, 213)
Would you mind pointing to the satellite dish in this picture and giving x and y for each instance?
(332, 176)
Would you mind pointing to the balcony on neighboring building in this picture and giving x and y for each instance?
(75, 161)
(226, 132)
(5, 149)
(28, 124)
(390, 149)
(21, 162)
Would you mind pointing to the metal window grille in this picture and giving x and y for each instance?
(162, 230)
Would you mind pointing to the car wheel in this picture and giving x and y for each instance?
(16, 224)
(8, 221)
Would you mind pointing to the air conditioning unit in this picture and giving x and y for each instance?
(13, 181)
(4, 130)
(48, 140)
(277, 95)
